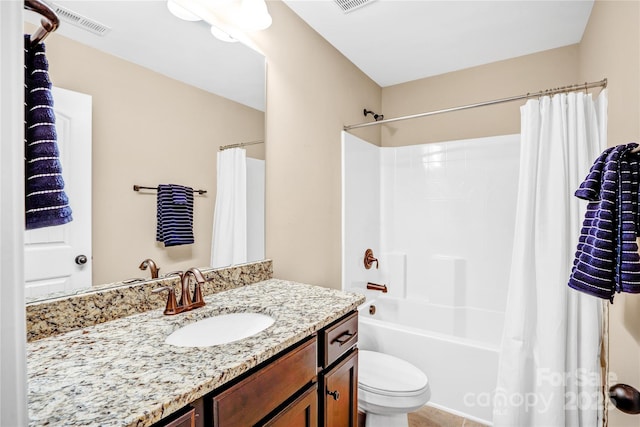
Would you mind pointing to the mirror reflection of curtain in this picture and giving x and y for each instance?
(255, 209)
(229, 241)
(549, 373)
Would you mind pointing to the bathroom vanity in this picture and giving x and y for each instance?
(301, 371)
(313, 383)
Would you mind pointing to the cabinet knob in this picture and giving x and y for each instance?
(335, 394)
(81, 259)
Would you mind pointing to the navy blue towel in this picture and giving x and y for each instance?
(46, 203)
(607, 259)
(175, 215)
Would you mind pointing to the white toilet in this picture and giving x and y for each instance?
(389, 388)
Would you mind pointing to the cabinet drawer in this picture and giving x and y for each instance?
(247, 402)
(339, 338)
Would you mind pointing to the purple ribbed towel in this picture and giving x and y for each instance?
(607, 259)
(175, 215)
(46, 203)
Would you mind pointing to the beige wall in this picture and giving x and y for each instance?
(312, 91)
(611, 47)
(148, 129)
(518, 76)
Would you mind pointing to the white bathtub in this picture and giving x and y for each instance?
(456, 347)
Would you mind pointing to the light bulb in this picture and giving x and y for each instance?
(181, 12)
(255, 15)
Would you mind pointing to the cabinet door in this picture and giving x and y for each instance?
(187, 419)
(249, 401)
(302, 412)
(340, 393)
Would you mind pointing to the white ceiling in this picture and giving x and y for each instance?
(145, 33)
(392, 41)
(395, 41)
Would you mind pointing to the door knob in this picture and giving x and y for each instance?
(625, 398)
(81, 259)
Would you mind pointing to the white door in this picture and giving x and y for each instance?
(54, 256)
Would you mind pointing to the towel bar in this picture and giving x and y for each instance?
(49, 22)
(141, 187)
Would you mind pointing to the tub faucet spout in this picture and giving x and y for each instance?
(376, 287)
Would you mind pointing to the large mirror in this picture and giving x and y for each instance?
(165, 96)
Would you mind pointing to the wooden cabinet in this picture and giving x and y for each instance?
(190, 416)
(340, 400)
(338, 338)
(313, 383)
(338, 391)
(252, 399)
(302, 412)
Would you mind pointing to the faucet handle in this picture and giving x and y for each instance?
(369, 259)
(172, 306)
(174, 273)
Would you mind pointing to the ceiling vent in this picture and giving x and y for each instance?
(351, 5)
(78, 20)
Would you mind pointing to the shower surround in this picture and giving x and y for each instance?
(440, 218)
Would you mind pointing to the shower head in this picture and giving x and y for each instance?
(376, 117)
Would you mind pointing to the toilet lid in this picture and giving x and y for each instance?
(386, 373)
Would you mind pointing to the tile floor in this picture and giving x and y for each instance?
(432, 417)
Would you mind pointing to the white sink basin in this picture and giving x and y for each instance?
(221, 329)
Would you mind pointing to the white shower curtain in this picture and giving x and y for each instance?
(229, 241)
(549, 369)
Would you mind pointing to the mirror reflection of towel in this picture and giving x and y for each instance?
(175, 215)
(179, 195)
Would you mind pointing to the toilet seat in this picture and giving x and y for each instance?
(389, 388)
(390, 376)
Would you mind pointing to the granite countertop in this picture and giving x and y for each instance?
(121, 373)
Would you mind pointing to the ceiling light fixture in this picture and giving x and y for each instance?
(181, 12)
(254, 15)
(228, 18)
(221, 35)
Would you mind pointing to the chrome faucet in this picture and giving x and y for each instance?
(152, 267)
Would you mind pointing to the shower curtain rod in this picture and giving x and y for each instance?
(49, 22)
(239, 145)
(584, 86)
